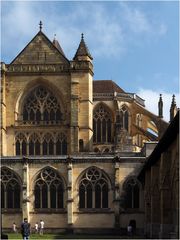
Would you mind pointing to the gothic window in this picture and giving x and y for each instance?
(34, 144)
(93, 190)
(41, 144)
(21, 144)
(61, 144)
(132, 194)
(41, 106)
(10, 190)
(49, 190)
(122, 118)
(102, 122)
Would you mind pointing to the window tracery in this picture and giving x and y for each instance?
(10, 190)
(132, 190)
(41, 144)
(49, 190)
(93, 190)
(41, 107)
(122, 118)
(102, 125)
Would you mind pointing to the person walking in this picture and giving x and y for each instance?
(129, 230)
(14, 227)
(41, 231)
(36, 227)
(25, 229)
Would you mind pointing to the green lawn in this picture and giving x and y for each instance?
(67, 236)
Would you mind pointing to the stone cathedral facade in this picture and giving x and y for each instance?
(71, 146)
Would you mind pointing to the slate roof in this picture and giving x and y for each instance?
(106, 86)
(82, 50)
(57, 45)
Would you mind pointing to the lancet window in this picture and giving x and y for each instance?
(132, 196)
(41, 107)
(122, 118)
(93, 190)
(49, 190)
(10, 190)
(41, 144)
(102, 125)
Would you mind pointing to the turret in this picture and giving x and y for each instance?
(160, 107)
(82, 52)
(173, 108)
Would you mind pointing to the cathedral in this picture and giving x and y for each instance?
(72, 147)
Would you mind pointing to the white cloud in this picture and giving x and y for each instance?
(152, 98)
(104, 28)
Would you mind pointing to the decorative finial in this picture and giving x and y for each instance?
(40, 25)
(173, 99)
(54, 36)
(82, 36)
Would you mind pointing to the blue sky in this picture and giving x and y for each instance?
(136, 44)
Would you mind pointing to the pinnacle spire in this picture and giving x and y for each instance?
(57, 45)
(173, 108)
(82, 50)
(160, 106)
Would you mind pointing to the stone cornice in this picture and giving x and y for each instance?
(75, 66)
(74, 159)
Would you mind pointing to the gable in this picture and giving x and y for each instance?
(40, 51)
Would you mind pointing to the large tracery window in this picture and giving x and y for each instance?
(49, 190)
(10, 190)
(132, 196)
(41, 107)
(93, 190)
(102, 125)
(41, 144)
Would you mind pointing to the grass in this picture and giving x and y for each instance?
(67, 236)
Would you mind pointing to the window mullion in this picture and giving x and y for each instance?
(101, 130)
(85, 198)
(56, 196)
(106, 131)
(40, 196)
(132, 197)
(101, 198)
(93, 197)
(49, 197)
(5, 198)
(96, 131)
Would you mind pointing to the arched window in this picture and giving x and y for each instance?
(122, 118)
(10, 189)
(61, 144)
(93, 189)
(21, 144)
(132, 193)
(102, 125)
(41, 107)
(49, 190)
(34, 144)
